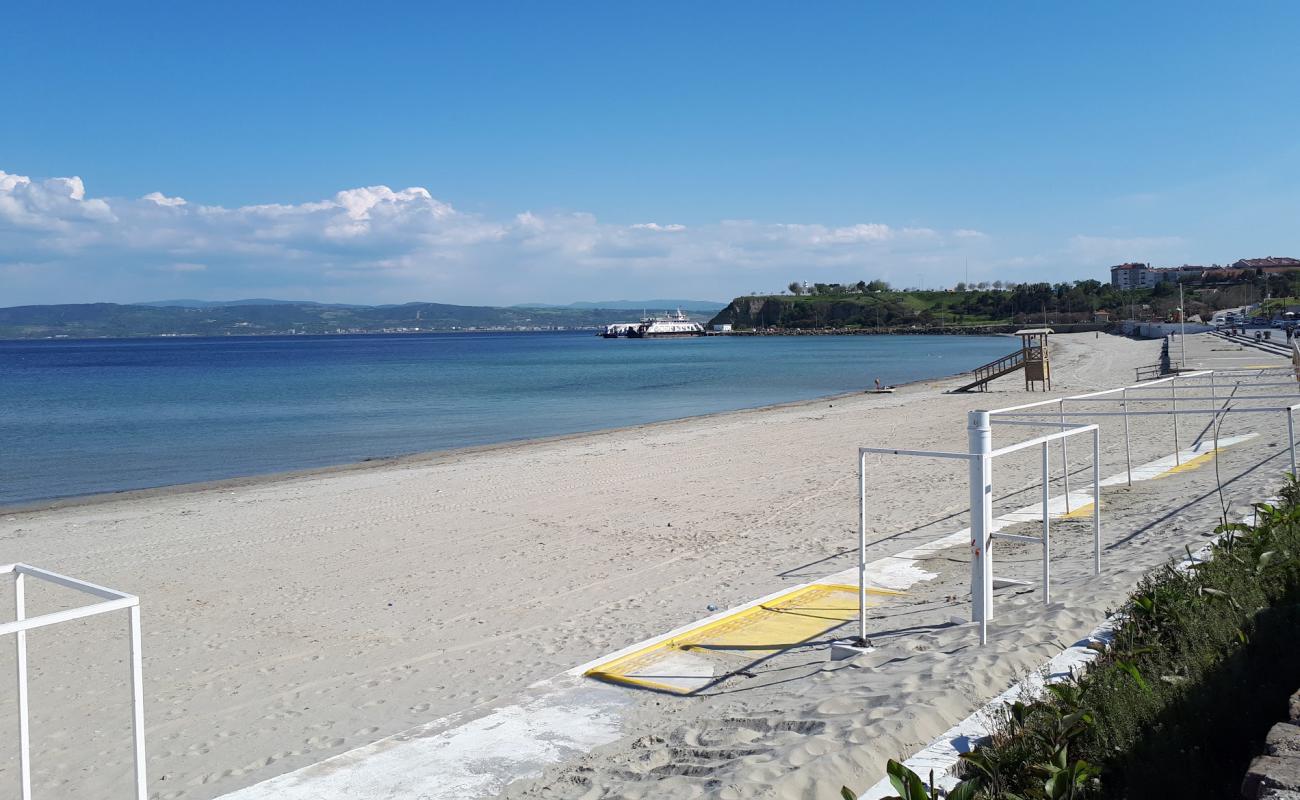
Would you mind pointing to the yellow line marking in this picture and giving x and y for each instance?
(1188, 465)
(642, 683)
(1084, 510)
(787, 620)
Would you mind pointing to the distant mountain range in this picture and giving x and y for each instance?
(255, 301)
(266, 317)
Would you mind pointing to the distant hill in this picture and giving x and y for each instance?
(638, 305)
(256, 301)
(93, 320)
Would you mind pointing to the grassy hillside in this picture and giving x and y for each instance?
(849, 307)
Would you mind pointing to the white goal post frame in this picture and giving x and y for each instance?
(980, 463)
(110, 600)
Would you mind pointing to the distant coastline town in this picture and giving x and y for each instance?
(1137, 293)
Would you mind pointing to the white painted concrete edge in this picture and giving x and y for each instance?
(475, 753)
(942, 755)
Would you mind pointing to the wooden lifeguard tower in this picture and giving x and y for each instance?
(1031, 357)
(1038, 369)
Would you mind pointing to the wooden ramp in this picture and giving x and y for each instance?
(993, 370)
(1031, 357)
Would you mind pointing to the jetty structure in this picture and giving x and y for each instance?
(1032, 357)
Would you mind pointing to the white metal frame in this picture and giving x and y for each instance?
(981, 455)
(980, 461)
(110, 600)
(1234, 379)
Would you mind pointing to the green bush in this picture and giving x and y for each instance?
(1201, 665)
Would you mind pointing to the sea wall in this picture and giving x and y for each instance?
(1276, 773)
(1159, 330)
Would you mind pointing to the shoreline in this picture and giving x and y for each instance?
(299, 617)
(413, 459)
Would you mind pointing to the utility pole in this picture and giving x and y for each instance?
(1182, 315)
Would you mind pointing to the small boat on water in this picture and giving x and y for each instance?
(669, 326)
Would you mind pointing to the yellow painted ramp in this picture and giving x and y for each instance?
(695, 658)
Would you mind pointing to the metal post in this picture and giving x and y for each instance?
(137, 703)
(1182, 318)
(862, 549)
(1096, 501)
(1065, 458)
(979, 434)
(1047, 530)
(1290, 438)
(1214, 399)
(1173, 396)
(1128, 453)
(24, 735)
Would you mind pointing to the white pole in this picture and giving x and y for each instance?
(1290, 438)
(1182, 316)
(862, 549)
(1096, 501)
(1173, 396)
(137, 703)
(1047, 530)
(1128, 453)
(24, 735)
(980, 438)
(1065, 458)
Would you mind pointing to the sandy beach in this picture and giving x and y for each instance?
(288, 620)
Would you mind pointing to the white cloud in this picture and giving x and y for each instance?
(655, 226)
(163, 200)
(375, 243)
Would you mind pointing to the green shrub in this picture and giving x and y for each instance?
(1200, 667)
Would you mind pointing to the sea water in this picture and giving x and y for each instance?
(83, 417)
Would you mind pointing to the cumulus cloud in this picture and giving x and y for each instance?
(163, 200)
(376, 243)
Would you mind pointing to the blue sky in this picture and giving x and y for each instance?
(503, 153)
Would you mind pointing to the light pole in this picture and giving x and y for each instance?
(1182, 316)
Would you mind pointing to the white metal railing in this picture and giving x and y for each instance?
(110, 600)
(1233, 379)
(980, 461)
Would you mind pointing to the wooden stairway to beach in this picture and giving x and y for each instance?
(993, 370)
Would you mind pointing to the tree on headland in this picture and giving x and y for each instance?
(795, 287)
(877, 286)
(961, 286)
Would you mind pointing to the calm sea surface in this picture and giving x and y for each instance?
(79, 417)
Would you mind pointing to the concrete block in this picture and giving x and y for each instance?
(1283, 741)
(1271, 772)
(848, 648)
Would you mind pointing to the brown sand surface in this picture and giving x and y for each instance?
(288, 620)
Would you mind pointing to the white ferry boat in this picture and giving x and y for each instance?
(655, 328)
